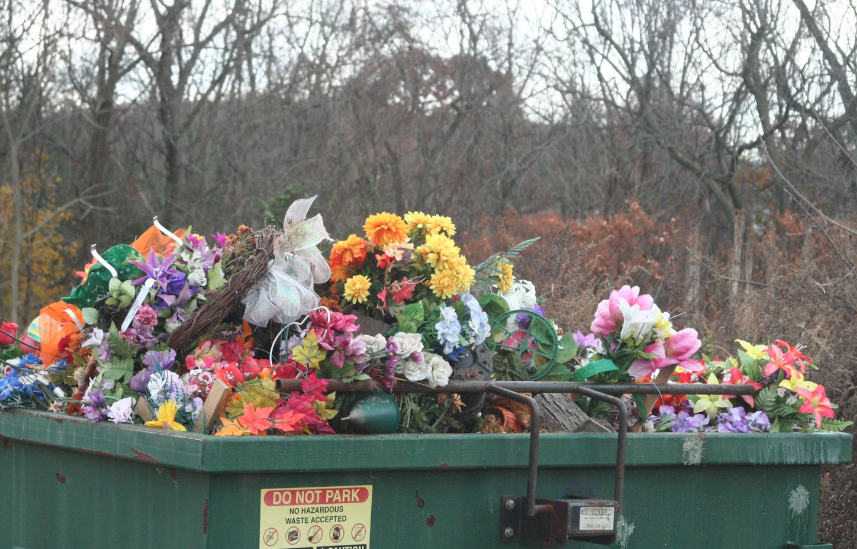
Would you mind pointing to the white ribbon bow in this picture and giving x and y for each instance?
(287, 292)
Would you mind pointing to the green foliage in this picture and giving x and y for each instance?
(834, 425)
(411, 317)
(595, 368)
(486, 271)
(766, 400)
(119, 345)
(423, 414)
(750, 366)
(90, 315)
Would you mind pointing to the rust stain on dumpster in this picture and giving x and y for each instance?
(420, 501)
(62, 478)
(431, 520)
(205, 518)
(94, 452)
(6, 445)
(146, 458)
(174, 474)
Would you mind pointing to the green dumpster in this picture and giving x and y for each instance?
(67, 483)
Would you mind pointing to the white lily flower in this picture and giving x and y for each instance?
(637, 324)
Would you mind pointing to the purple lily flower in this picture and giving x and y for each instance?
(160, 360)
(178, 304)
(154, 269)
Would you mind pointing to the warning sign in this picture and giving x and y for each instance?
(326, 517)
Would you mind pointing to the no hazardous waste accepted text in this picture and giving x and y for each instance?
(323, 517)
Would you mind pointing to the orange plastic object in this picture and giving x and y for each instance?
(153, 238)
(55, 322)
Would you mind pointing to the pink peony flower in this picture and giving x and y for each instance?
(609, 315)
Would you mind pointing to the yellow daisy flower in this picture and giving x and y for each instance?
(438, 223)
(357, 289)
(416, 221)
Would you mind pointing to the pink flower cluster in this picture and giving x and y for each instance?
(609, 315)
(676, 350)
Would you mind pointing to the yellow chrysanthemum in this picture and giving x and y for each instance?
(357, 289)
(464, 278)
(385, 228)
(416, 221)
(439, 251)
(438, 223)
(504, 277)
(443, 284)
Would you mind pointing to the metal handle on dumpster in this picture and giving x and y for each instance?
(554, 522)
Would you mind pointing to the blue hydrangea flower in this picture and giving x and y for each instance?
(448, 329)
(478, 319)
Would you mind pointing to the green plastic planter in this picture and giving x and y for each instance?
(69, 484)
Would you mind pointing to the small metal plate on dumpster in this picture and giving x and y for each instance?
(596, 518)
(322, 517)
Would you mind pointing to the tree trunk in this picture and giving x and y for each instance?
(18, 237)
(738, 236)
(560, 414)
(749, 257)
(693, 270)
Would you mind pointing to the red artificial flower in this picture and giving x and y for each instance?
(229, 374)
(255, 421)
(779, 361)
(736, 377)
(8, 332)
(801, 359)
(403, 290)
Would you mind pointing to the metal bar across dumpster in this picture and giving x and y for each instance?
(68, 483)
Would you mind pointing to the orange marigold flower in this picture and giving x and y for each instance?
(349, 252)
(338, 273)
(385, 228)
(330, 303)
(244, 229)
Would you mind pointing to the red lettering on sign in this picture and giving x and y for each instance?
(305, 496)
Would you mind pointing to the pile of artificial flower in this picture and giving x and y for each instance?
(105, 352)
(397, 304)
(631, 339)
